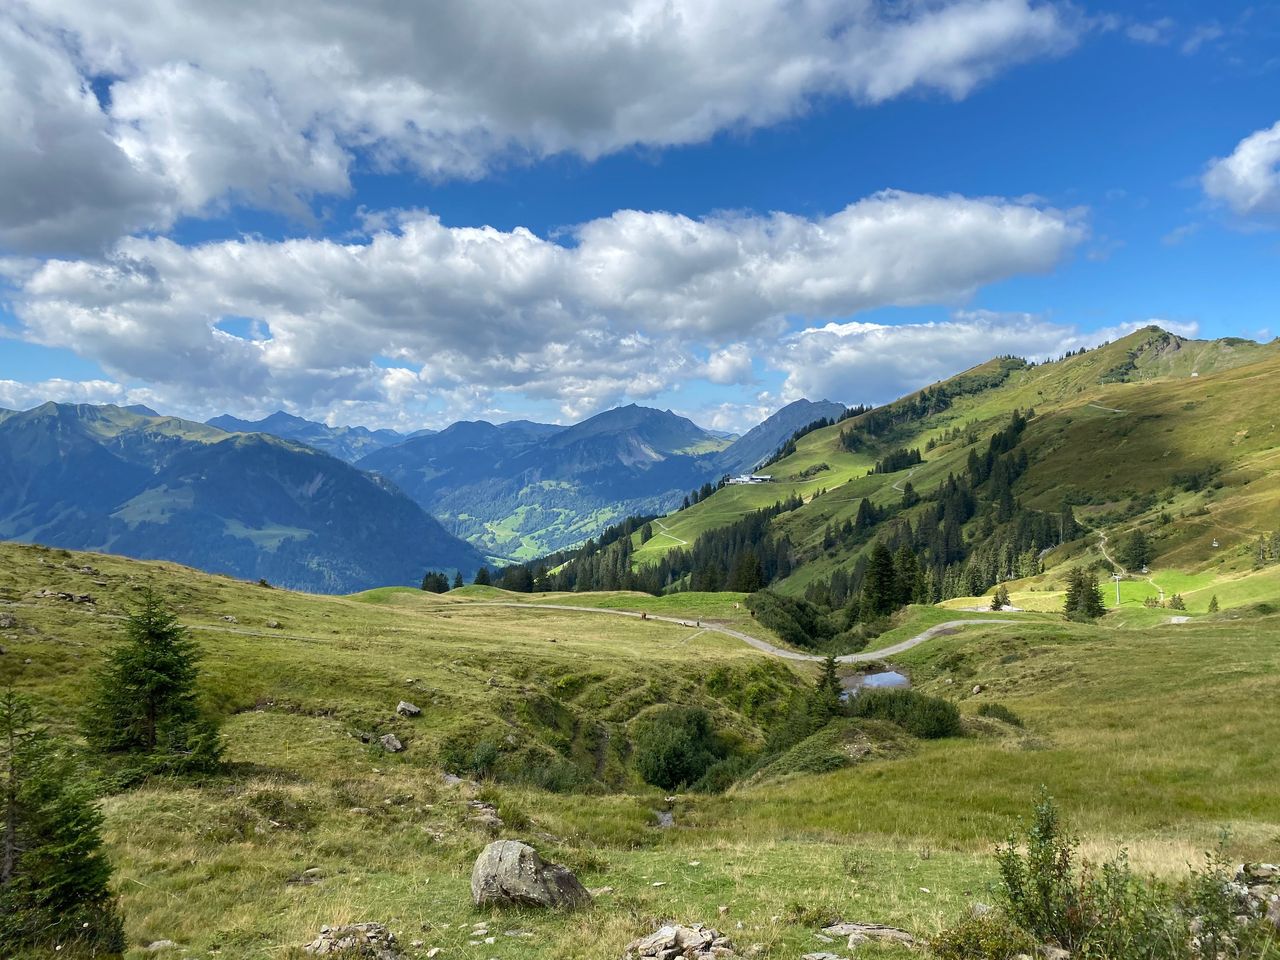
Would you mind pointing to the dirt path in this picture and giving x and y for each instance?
(662, 532)
(762, 645)
(907, 479)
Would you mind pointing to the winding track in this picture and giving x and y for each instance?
(762, 645)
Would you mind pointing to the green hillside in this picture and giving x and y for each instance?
(309, 825)
(1124, 432)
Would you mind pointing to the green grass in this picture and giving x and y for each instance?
(1152, 737)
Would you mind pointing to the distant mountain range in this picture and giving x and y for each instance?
(247, 504)
(520, 490)
(345, 443)
(337, 509)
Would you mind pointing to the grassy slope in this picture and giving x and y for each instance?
(1171, 423)
(1148, 737)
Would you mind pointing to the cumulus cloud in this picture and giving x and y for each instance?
(876, 363)
(204, 104)
(620, 310)
(1248, 181)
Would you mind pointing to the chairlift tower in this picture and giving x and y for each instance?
(1117, 577)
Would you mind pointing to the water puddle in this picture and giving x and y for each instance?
(882, 680)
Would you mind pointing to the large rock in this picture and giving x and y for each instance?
(510, 873)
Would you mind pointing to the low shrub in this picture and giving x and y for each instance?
(998, 711)
(928, 718)
(675, 746)
(992, 936)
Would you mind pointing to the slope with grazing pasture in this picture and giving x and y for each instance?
(1148, 742)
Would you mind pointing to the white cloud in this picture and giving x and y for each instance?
(275, 104)
(875, 363)
(732, 365)
(618, 313)
(1248, 181)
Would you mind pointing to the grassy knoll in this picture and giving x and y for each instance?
(1153, 737)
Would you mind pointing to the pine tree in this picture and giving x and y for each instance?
(144, 699)
(879, 585)
(53, 875)
(827, 695)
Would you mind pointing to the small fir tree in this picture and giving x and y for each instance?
(828, 690)
(1001, 598)
(1213, 604)
(144, 699)
(482, 577)
(53, 875)
(457, 580)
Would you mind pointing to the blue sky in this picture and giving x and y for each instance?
(242, 231)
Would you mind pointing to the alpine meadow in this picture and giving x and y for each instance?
(642, 481)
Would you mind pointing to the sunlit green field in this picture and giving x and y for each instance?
(1154, 737)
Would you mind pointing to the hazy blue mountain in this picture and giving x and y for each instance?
(247, 504)
(522, 489)
(761, 442)
(345, 443)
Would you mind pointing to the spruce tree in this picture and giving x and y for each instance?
(1213, 604)
(457, 580)
(879, 585)
(53, 874)
(482, 577)
(144, 699)
(828, 691)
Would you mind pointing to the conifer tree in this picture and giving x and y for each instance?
(1213, 604)
(482, 577)
(53, 874)
(457, 580)
(828, 691)
(879, 586)
(144, 699)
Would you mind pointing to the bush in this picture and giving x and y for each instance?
(990, 937)
(797, 622)
(928, 718)
(675, 746)
(1109, 911)
(998, 711)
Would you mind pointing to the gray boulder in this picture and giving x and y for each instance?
(677, 941)
(510, 873)
(407, 709)
(391, 743)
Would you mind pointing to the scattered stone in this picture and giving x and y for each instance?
(1050, 952)
(228, 618)
(391, 743)
(433, 953)
(367, 940)
(600, 891)
(676, 941)
(979, 910)
(510, 873)
(273, 624)
(68, 597)
(485, 815)
(155, 946)
(863, 933)
(407, 709)
(822, 956)
(977, 688)
(8, 622)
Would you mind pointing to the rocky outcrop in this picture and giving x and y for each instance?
(864, 933)
(391, 743)
(365, 940)
(510, 873)
(1259, 886)
(676, 942)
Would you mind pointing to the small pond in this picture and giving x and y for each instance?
(885, 678)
